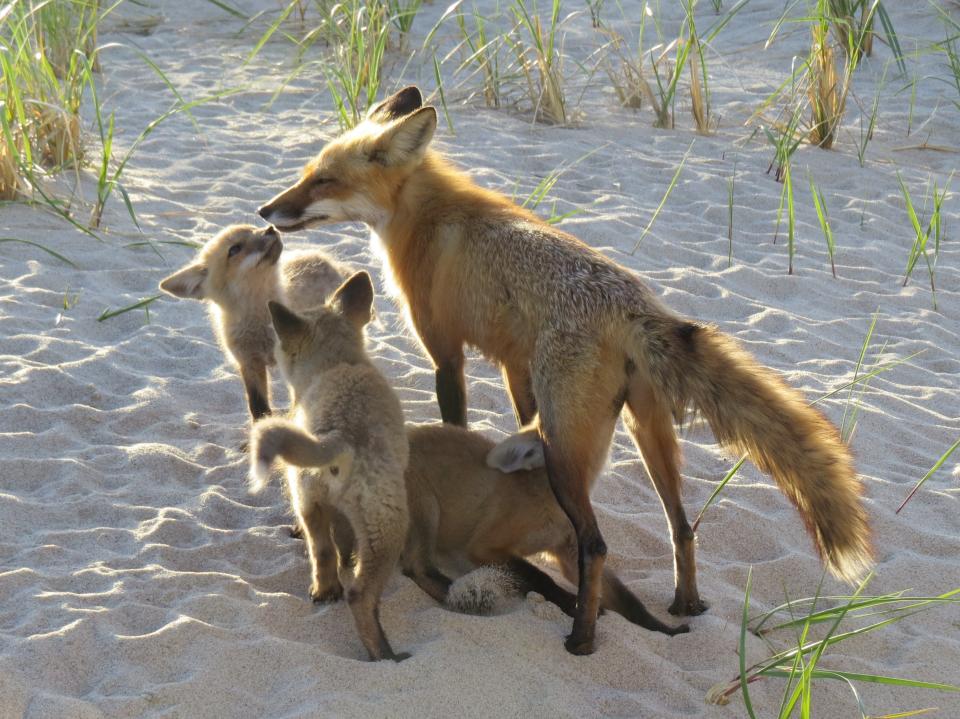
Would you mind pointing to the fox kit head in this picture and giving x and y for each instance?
(239, 264)
(356, 176)
(323, 337)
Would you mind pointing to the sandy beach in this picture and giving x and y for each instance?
(139, 578)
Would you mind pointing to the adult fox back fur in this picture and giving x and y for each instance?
(579, 339)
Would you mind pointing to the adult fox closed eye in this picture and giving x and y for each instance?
(346, 452)
(579, 339)
(239, 271)
(466, 511)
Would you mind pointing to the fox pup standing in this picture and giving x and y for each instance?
(579, 339)
(239, 271)
(346, 452)
(480, 504)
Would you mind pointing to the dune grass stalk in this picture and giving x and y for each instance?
(540, 61)
(53, 253)
(402, 13)
(731, 183)
(596, 9)
(785, 140)
(786, 202)
(820, 205)
(802, 663)
(139, 304)
(933, 470)
(482, 54)
(866, 133)
(360, 32)
(922, 234)
(539, 193)
(438, 77)
(663, 200)
(851, 408)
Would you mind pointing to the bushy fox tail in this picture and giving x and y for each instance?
(275, 437)
(750, 408)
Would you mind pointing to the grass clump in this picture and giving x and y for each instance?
(667, 63)
(540, 61)
(47, 56)
(482, 51)
(802, 662)
(359, 33)
(821, 83)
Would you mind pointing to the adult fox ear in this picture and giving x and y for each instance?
(405, 140)
(287, 324)
(354, 299)
(186, 283)
(400, 103)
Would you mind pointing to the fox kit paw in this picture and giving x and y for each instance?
(401, 656)
(296, 531)
(326, 595)
(683, 607)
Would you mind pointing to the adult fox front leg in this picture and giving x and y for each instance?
(474, 268)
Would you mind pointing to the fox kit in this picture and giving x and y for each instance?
(239, 271)
(579, 339)
(464, 507)
(346, 452)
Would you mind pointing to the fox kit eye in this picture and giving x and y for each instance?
(234, 249)
(318, 181)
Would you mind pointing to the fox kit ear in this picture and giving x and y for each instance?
(186, 283)
(397, 105)
(523, 450)
(354, 299)
(406, 139)
(285, 322)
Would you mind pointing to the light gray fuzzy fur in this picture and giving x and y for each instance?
(339, 393)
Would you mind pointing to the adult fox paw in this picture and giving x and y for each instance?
(683, 607)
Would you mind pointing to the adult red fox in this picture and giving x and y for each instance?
(579, 339)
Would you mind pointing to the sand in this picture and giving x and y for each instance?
(139, 578)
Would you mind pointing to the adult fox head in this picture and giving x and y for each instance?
(320, 338)
(240, 262)
(355, 177)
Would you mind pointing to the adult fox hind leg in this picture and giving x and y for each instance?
(615, 595)
(651, 425)
(579, 392)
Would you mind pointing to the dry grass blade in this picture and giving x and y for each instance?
(826, 100)
(540, 62)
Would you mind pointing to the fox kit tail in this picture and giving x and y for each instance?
(750, 408)
(276, 437)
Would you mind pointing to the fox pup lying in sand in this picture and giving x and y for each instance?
(346, 452)
(580, 340)
(239, 271)
(466, 509)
